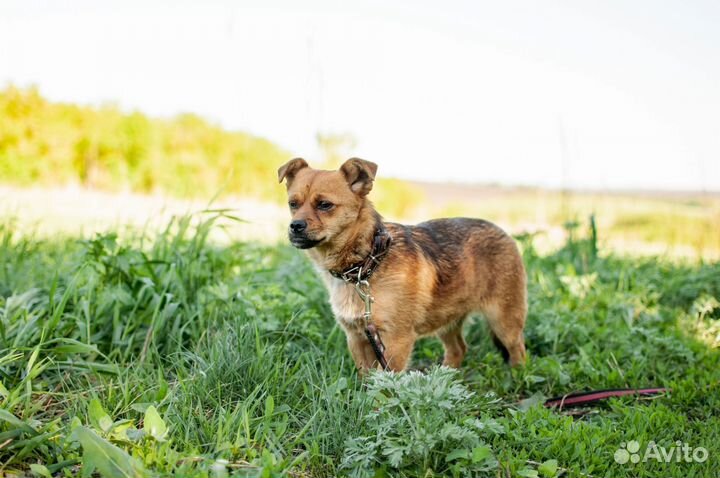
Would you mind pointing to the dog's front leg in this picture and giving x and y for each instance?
(398, 348)
(361, 351)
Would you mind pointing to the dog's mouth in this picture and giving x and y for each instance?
(304, 242)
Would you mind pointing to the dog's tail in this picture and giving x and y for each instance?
(501, 347)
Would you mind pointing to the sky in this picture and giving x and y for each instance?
(580, 94)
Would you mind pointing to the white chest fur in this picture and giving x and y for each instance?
(345, 303)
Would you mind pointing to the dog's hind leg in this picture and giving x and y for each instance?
(506, 326)
(500, 346)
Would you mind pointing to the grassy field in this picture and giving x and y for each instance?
(159, 354)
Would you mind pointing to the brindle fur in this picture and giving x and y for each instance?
(435, 274)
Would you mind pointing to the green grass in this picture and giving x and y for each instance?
(167, 354)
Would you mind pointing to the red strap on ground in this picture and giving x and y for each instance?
(584, 398)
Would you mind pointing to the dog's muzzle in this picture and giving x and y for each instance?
(297, 233)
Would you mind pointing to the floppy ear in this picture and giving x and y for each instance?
(290, 169)
(359, 174)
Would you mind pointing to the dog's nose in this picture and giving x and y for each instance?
(298, 226)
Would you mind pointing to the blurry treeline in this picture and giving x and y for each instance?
(49, 143)
(42, 142)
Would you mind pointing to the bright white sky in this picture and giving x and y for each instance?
(624, 94)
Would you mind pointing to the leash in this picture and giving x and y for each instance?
(585, 398)
(371, 332)
(359, 275)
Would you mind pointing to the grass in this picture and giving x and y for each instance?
(168, 354)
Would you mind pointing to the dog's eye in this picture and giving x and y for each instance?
(293, 204)
(325, 205)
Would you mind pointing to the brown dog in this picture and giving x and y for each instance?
(432, 275)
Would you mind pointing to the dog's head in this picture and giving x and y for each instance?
(324, 203)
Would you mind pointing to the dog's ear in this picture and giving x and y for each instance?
(359, 174)
(290, 169)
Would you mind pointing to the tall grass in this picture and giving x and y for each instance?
(169, 354)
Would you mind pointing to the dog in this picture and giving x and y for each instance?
(429, 279)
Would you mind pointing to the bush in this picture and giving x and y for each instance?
(422, 425)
